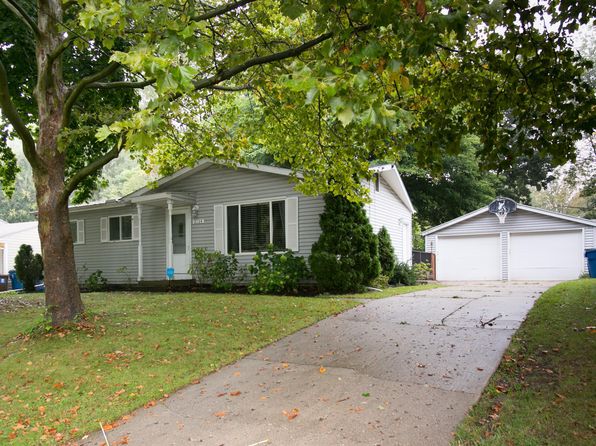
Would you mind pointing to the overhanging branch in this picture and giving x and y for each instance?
(12, 115)
(221, 10)
(20, 12)
(262, 60)
(82, 85)
(122, 84)
(90, 169)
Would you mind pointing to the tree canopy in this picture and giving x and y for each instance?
(372, 78)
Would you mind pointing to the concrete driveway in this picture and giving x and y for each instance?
(396, 371)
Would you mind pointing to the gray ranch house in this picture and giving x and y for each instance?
(240, 209)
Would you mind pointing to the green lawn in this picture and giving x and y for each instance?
(544, 392)
(136, 348)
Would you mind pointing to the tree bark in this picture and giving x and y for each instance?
(63, 298)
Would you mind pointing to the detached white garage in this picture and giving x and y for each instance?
(531, 244)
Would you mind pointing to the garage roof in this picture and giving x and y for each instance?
(523, 207)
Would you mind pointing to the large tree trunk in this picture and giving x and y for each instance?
(63, 298)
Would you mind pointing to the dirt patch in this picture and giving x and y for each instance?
(14, 303)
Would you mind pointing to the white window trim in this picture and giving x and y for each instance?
(79, 222)
(240, 203)
(131, 239)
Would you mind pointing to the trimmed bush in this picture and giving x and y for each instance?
(276, 273)
(404, 274)
(96, 282)
(346, 256)
(29, 267)
(386, 253)
(214, 268)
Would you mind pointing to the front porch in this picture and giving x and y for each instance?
(178, 210)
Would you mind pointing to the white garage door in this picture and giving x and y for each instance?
(469, 258)
(546, 255)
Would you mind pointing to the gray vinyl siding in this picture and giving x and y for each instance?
(222, 185)
(516, 222)
(109, 257)
(212, 186)
(153, 240)
(505, 241)
(387, 209)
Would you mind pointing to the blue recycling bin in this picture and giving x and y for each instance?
(16, 283)
(591, 256)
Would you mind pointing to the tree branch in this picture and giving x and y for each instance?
(20, 12)
(221, 10)
(12, 115)
(91, 168)
(82, 85)
(262, 60)
(60, 49)
(232, 88)
(122, 84)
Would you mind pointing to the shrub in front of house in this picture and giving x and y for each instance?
(422, 270)
(403, 274)
(96, 282)
(346, 256)
(386, 253)
(276, 273)
(214, 268)
(29, 267)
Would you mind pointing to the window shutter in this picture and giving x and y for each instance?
(80, 231)
(218, 227)
(292, 241)
(135, 227)
(103, 229)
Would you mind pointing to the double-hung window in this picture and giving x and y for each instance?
(77, 228)
(120, 228)
(252, 227)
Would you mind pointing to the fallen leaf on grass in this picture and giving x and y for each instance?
(149, 404)
(291, 414)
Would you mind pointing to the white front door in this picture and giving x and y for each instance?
(180, 243)
(556, 255)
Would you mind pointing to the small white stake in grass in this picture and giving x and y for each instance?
(104, 434)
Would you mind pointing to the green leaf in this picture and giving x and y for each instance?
(311, 95)
(103, 133)
(108, 43)
(346, 115)
(292, 8)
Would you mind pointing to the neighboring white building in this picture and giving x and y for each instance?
(532, 244)
(12, 236)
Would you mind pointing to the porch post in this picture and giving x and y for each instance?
(140, 247)
(169, 235)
